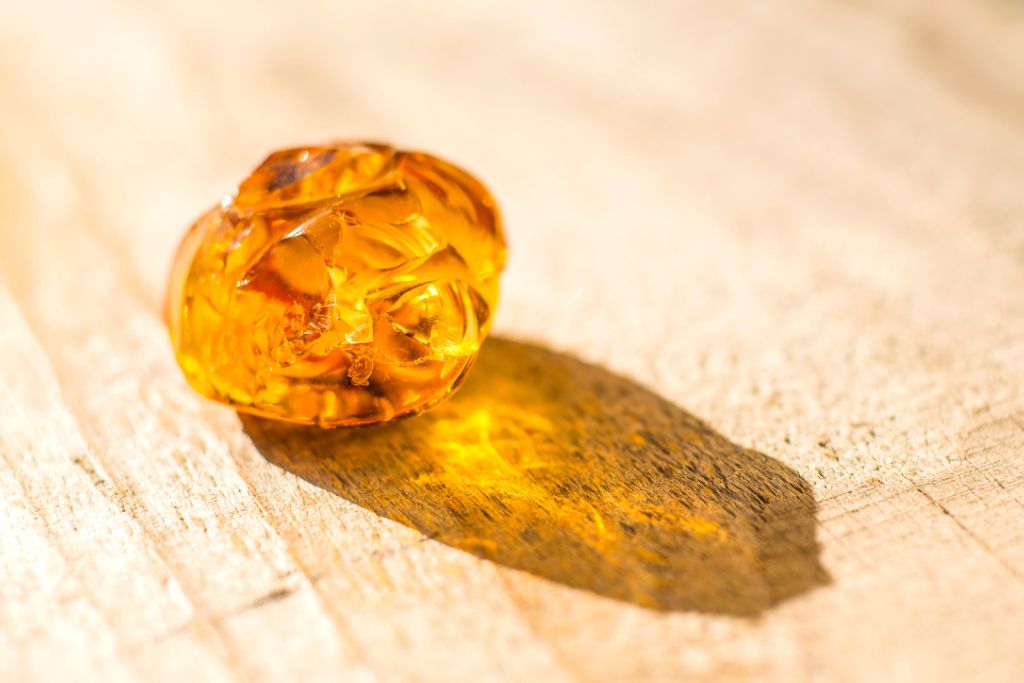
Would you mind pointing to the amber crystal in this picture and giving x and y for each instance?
(340, 285)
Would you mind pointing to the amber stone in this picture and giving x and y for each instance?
(339, 285)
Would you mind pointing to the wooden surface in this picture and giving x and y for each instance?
(754, 409)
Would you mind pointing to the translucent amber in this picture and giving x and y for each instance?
(340, 285)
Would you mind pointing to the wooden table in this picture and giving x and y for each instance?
(753, 409)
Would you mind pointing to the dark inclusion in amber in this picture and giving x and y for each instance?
(341, 285)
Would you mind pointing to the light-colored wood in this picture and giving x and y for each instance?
(755, 405)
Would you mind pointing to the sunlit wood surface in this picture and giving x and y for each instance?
(754, 409)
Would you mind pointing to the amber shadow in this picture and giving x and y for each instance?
(562, 469)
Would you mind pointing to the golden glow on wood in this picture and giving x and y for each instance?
(559, 468)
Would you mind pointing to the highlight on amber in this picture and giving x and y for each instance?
(343, 284)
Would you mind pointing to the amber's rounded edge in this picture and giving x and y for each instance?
(476, 187)
(184, 259)
(346, 424)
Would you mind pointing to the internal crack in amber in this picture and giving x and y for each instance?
(340, 285)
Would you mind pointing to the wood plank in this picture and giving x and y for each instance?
(754, 407)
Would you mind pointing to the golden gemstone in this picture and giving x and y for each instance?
(341, 285)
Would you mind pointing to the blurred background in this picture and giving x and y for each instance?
(687, 188)
(801, 220)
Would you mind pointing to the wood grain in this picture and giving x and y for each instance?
(754, 409)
